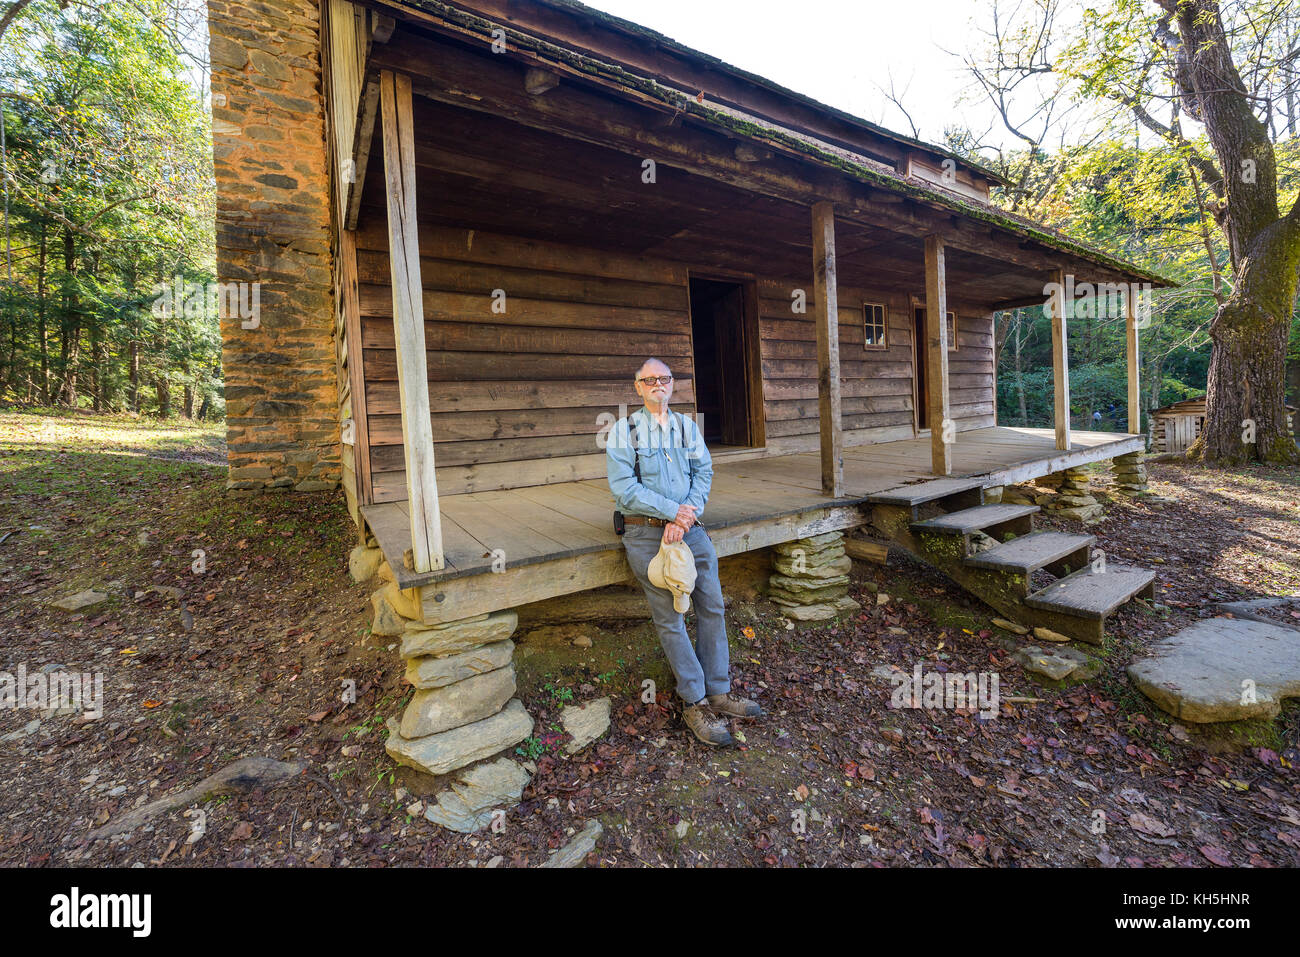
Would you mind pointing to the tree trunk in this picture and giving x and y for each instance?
(1245, 417)
(163, 389)
(70, 349)
(133, 348)
(134, 394)
(97, 350)
(96, 368)
(1020, 380)
(40, 319)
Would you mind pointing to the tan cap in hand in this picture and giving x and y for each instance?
(673, 569)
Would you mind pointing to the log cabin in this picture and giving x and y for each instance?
(473, 220)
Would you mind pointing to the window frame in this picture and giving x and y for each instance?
(952, 333)
(883, 344)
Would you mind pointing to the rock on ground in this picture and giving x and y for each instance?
(576, 851)
(81, 600)
(475, 793)
(586, 723)
(1222, 669)
(1049, 664)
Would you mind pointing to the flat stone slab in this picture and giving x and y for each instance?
(1052, 664)
(440, 753)
(460, 703)
(454, 637)
(576, 851)
(475, 794)
(438, 672)
(81, 600)
(1222, 669)
(586, 723)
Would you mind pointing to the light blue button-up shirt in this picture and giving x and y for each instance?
(676, 468)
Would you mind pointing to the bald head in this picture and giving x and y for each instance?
(653, 367)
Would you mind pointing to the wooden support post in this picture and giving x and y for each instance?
(826, 303)
(1134, 365)
(349, 302)
(408, 321)
(1060, 362)
(942, 429)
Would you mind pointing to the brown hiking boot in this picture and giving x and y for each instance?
(707, 726)
(734, 706)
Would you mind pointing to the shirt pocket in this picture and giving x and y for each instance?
(649, 461)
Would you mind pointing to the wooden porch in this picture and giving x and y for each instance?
(506, 548)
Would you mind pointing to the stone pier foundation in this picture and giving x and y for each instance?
(463, 718)
(1073, 499)
(1130, 473)
(811, 580)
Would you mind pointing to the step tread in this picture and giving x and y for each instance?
(973, 519)
(1031, 552)
(1092, 594)
(921, 492)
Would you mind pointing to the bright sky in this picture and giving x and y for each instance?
(841, 52)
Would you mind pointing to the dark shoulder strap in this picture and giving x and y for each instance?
(636, 459)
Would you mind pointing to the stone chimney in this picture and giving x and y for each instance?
(273, 229)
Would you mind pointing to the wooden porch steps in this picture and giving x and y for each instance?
(1093, 593)
(940, 526)
(920, 493)
(970, 520)
(1029, 553)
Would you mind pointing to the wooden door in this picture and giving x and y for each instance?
(919, 354)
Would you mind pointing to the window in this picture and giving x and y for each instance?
(952, 332)
(876, 326)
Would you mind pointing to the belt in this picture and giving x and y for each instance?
(644, 520)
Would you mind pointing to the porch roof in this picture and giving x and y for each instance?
(767, 133)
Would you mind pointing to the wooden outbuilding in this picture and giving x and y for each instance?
(1175, 426)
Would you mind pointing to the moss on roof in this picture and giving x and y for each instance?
(890, 181)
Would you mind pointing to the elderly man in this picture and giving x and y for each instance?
(664, 504)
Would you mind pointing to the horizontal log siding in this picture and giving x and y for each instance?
(585, 317)
(515, 397)
(875, 384)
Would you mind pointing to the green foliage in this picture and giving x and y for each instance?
(108, 155)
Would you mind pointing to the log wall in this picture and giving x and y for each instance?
(516, 396)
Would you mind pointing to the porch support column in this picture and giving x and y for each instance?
(1134, 364)
(826, 305)
(408, 321)
(942, 430)
(1060, 362)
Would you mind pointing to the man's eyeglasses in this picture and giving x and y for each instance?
(652, 379)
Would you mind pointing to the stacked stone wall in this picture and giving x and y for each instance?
(273, 229)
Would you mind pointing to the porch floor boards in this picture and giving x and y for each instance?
(546, 522)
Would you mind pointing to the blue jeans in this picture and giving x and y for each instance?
(703, 668)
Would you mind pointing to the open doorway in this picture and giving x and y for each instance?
(726, 363)
(920, 362)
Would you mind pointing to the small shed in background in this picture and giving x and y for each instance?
(1175, 427)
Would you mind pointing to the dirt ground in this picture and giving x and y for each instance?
(251, 658)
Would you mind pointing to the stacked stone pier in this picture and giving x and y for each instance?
(1130, 473)
(463, 718)
(811, 580)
